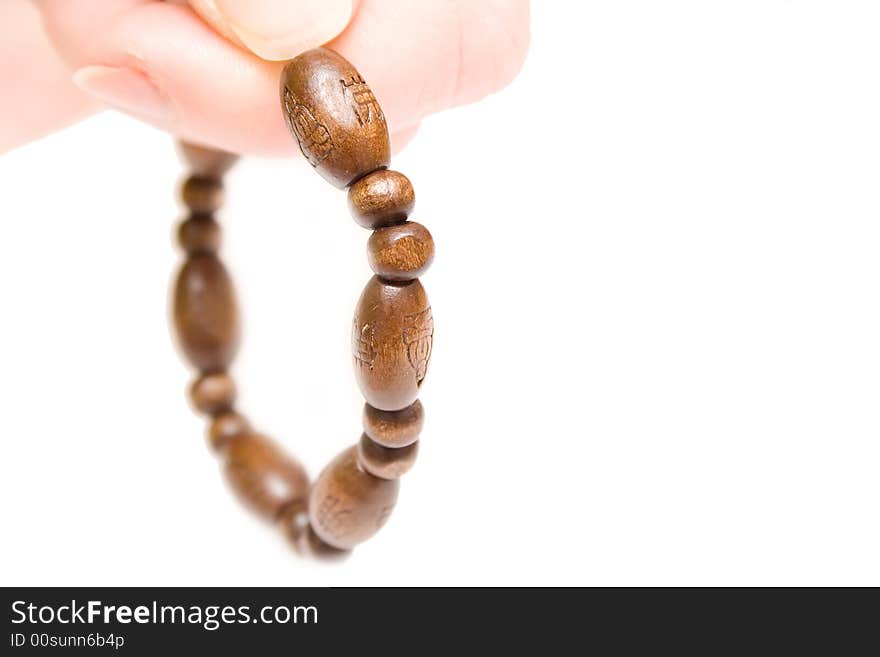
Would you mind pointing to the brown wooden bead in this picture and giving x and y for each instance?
(392, 337)
(206, 313)
(381, 198)
(386, 462)
(394, 428)
(348, 505)
(334, 116)
(204, 161)
(202, 194)
(212, 393)
(263, 476)
(401, 253)
(314, 547)
(199, 234)
(226, 426)
(294, 522)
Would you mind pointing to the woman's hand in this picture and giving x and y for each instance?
(208, 71)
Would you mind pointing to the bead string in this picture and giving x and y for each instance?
(342, 132)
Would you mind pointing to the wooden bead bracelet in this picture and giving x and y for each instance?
(342, 132)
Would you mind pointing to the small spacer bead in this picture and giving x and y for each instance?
(226, 426)
(199, 234)
(386, 462)
(213, 393)
(402, 252)
(394, 428)
(202, 194)
(381, 198)
(207, 162)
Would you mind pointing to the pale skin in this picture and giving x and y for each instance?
(208, 70)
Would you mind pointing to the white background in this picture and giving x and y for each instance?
(657, 348)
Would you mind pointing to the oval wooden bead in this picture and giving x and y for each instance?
(401, 253)
(392, 337)
(381, 198)
(348, 505)
(314, 547)
(212, 393)
(294, 522)
(204, 161)
(394, 428)
(226, 426)
(334, 116)
(199, 234)
(263, 476)
(386, 462)
(202, 194)
(206, 313)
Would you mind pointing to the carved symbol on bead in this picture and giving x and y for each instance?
(363, 345)
(313, 137)
(418, 336)
(332, 519)
(364, 103)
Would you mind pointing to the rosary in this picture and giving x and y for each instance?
(342, 132)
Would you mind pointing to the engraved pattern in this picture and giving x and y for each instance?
(363, 102)
(333, 520)
(363, 344)
(418, 336)
(313, 137)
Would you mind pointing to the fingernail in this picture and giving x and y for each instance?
(281, 29)
(125, 89)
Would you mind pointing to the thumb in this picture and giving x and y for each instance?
(276, 29)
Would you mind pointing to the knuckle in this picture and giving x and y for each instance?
(495, 45)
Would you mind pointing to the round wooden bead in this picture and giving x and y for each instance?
(226, 426)
(348, 505)
(394, 428)
(381, 198)
(204, 161)
(199, 234)
(202, 194)
(263, 476)
(386, 462)
(392, 337)
(400, 253)
(206, 313)
(212, 393)
(334, 116)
